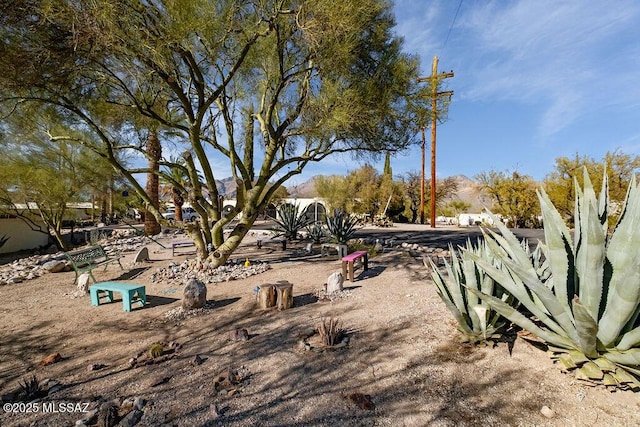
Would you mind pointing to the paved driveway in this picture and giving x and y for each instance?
(441, 236)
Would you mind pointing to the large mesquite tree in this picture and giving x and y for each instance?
(268, 85)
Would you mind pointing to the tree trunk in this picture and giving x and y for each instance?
(154, 151)
(178, 202)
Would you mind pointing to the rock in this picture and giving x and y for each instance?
(131, 419)
(90, 416)
(198, 360)
(547, 412)
(142, 255)
(138, 403)
(54, 266)
(84, 283)
(214, 411)
(195, 295)
(51, 359)
(239, 334)
(95, 367)
(335, 282)
(107, 415)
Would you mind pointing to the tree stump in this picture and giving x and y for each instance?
(284, 299)
(266, 296)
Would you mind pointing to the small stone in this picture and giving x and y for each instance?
(138, 403)
(198, 360)
(90, 416)
(131, 419)
(214, 411)
(547, 412)
(95, 367)
(54, 266)
(51, 359)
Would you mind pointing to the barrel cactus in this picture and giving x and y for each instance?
(587, 302)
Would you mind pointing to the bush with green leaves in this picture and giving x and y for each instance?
(587, 309)
(341, 227)
(316, 232)
(477, 322)
(289, 221)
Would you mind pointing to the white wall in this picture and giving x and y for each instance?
(20, 235)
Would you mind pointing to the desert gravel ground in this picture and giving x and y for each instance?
(403, 365)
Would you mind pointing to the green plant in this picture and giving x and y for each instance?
(477, 323)
(341, 227)
(587, 309)
(289, 222)
(316, 232)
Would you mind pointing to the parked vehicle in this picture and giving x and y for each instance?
(188, 214)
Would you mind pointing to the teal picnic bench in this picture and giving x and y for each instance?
(86, 259)
(131, 293)
(349, 260)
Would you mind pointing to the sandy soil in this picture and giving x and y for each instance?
(403, 353)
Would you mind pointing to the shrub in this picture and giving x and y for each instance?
(587, 309)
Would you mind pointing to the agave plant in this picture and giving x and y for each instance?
(316, 232)
(289, 222)
(341, 227)
(588, 307)
(477, 323)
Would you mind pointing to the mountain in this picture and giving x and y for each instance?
(305, 190)
(469, 192)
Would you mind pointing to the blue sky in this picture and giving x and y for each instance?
(534, 80)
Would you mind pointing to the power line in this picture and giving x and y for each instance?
(452, 24)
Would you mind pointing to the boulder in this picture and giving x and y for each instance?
(334, 282)
(142, 255)
(195, 295)
(83, 283)
(54, 266)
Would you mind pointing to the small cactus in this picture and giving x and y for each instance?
(156, 350)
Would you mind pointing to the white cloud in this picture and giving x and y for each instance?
(568, 57)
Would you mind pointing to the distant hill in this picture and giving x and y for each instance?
(468, 191)
(305, 190)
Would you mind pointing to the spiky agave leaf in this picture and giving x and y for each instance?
(476, 321)
(623, 296)
(593, 302)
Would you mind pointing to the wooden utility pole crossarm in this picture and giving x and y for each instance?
(434, 80)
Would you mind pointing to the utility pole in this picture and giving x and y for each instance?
(422, 182)
(434, 81)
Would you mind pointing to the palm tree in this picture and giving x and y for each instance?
(154, 153)
(176, 178)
